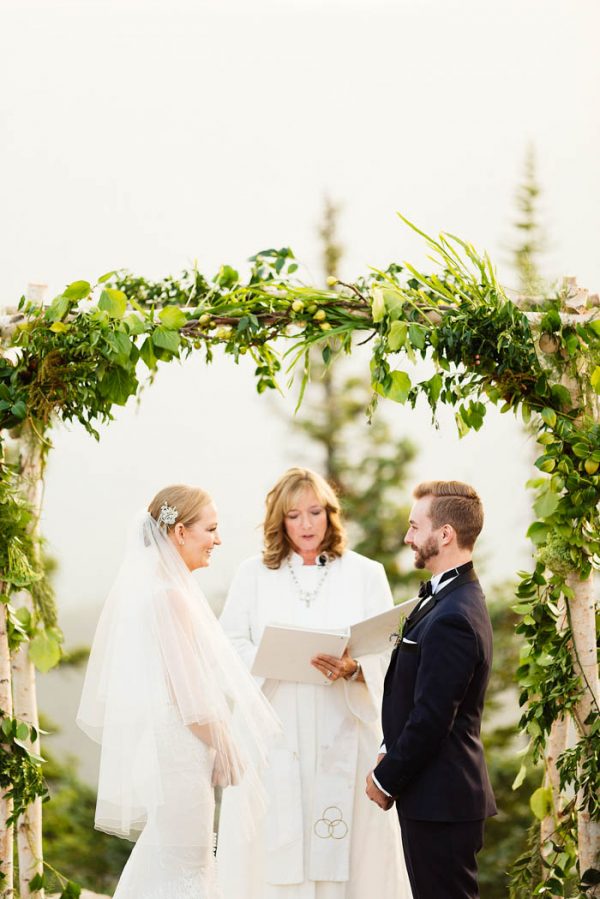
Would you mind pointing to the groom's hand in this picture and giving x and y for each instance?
(374, 793)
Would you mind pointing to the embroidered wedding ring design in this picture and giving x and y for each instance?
(332, 825)
(307, 596)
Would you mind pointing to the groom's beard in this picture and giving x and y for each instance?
(426, 552)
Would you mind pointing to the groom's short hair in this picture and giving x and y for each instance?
(456, 504)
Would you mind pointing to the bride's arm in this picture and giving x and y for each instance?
(184, 676)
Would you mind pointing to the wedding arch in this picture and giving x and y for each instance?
(78, 357)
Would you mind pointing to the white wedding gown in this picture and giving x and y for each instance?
(173, 858)
(162, 674)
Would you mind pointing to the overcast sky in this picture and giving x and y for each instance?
(151, 134)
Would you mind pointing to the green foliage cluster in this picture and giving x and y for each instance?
(80, 356)
(70, 841)
(21, 777)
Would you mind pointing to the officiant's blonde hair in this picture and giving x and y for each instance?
(187, 501)
(281, 498)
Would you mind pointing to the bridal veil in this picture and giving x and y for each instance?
(158, 652)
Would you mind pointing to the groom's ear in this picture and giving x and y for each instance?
(448, 534)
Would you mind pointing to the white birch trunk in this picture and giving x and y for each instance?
(583, 626)
(557, 743)
(29, 824)
(6, 833)
(581, 611)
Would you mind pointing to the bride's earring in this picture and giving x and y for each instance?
(182, 542)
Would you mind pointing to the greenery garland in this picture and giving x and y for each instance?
(78, 357)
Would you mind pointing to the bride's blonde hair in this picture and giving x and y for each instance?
(279, 502)
(187, 501)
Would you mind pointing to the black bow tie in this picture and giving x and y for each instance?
(425, 589)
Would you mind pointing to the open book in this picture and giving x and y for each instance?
(285, 651)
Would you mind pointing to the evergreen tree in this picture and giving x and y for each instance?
(368, 468)
(531, 242)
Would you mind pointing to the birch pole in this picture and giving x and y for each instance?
(29, 824)
(6, 833)
(581, 613)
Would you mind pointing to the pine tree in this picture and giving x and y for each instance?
(369, 467)
(531, 242)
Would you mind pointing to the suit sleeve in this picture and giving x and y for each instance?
(449, 656)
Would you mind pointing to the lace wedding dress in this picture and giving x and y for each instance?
(173, 858)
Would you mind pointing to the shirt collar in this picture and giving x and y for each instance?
(435, 580)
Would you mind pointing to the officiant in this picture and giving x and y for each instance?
(322, 838)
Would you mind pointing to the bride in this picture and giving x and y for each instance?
(160, 688)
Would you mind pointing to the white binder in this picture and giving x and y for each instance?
(285, 651)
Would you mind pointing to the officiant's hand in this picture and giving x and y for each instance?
(378, 796)
(334, 668)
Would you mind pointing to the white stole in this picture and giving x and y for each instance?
(330, 830)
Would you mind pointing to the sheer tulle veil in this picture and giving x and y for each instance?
(158, 650)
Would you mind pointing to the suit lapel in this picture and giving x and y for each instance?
(420, 612)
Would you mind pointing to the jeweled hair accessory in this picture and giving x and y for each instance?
(168, 515)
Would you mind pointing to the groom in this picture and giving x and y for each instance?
(431, 763)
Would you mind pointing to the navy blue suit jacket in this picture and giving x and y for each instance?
(432, 708)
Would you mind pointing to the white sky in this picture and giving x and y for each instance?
(149, 134)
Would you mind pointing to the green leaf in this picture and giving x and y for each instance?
(135, 323)
(416, 335)
(19, 409)
(549, 416)
(546, 504)
(522, 773)
(595, 326)
(113, 301)
(120, 345)
(147, 354)
(37, 883)
(71, 891)
(44, 651)
(397, 336)
(399, 388)
(394, 302)
(227, 276)
(118, 385)
(104, 278)
(595, 379)
(378, 304)
(59, 327)
(166, 339)
(541, 802)
(581, 450)
(172, 317)
(78, 290)
(435, 388)
(24, 616)
(538, 532)
(22, 731)
(58, 308)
